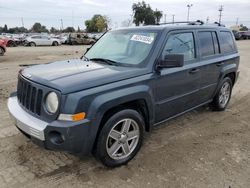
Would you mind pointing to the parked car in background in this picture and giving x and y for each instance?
(80, 38)
(237, 35)
(2, 47)
(40, 40)
(9, 42)
(63, 39)
(245, 35)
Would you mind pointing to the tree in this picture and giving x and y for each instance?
(243, 27)
(18, 30)
(158, 16)
(38, 28)
(5, 29)
(54, 30)
(69, 30)
(143, 14)
(97, 23)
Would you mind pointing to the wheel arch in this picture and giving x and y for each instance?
(104, 106)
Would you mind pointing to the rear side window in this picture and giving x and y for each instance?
(227, 42)
(181, 43)
(208, 43)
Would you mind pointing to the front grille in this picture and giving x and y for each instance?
(29, 96)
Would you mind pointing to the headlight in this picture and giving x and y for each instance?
(51, 102)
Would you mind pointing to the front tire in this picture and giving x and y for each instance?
(223, 95)
(32, 44)
(120, 139)
(1, 51)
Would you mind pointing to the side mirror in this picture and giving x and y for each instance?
(171, 60)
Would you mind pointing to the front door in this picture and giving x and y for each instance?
(177, 88)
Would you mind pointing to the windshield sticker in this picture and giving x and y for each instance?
(141, 38)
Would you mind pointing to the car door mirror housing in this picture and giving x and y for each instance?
(171, 61)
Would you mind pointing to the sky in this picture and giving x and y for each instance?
(76, 12)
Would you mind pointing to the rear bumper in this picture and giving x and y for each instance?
(57, 135)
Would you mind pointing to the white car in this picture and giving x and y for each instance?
(39, 40)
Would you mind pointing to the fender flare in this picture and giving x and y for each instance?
(231, 68)
(107, 101)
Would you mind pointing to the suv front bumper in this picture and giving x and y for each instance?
(57, 135)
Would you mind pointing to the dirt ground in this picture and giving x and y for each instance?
(199, 149)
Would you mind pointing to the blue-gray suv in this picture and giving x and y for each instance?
(129, 81)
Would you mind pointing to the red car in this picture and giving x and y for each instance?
(2, 47)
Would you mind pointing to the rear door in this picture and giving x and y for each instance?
(211, 63)
(46, 41)
(177, 88)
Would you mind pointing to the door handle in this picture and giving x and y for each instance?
(193, 71)
(219, 64)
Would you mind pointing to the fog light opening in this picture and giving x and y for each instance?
(56, 137)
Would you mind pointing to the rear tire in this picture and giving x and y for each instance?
(120, 138)
(223, 95)
(11, 44)
(55, 43)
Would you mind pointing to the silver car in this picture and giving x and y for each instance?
(38, 40)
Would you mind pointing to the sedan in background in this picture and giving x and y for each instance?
(38, 40)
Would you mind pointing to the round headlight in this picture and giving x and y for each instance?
(51, 102)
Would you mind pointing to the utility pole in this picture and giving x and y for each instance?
(189, 7)
(207, 20)
(237, 21)
(220, 10)
(173, 18)
(72, 18)
(22, 21)
(61, 23)
(165, 18)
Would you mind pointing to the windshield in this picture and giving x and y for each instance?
(123, 47)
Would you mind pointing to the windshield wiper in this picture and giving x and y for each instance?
(84, 58)
(107, 61)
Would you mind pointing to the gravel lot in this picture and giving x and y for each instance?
(199, 149)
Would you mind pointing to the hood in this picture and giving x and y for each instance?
(76, 75)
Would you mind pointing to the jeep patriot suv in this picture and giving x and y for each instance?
(129, 81)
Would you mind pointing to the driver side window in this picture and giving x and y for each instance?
(180, 43)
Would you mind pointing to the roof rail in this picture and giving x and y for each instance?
(197, 22)
(219, 24)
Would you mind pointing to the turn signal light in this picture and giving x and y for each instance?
(72, 117)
